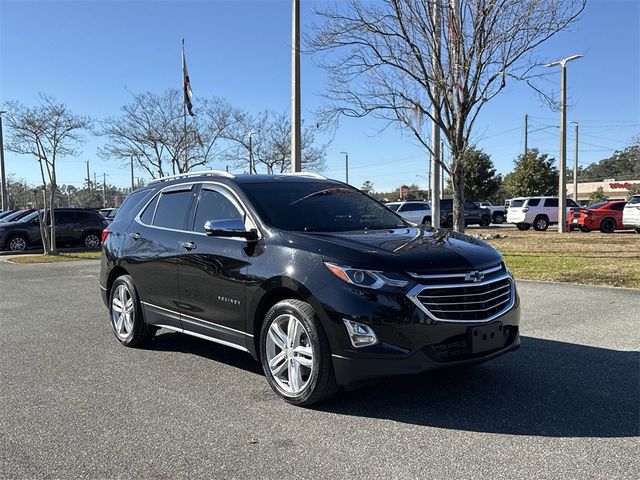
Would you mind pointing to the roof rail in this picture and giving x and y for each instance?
(212, 173)
(306, 174)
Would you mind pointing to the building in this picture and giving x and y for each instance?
(612, 189)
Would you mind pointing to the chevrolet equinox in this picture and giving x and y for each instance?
(323, 285)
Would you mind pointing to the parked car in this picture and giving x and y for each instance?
(605, 216)
(74, 226)
(321, 283)
(474, 214)
(412, 210)
(631, 213)
(17, 215)
(537, 211)
(111, 215)
(498, 213)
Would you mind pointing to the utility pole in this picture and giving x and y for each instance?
(562, 184)
(296, 138)
(88, 176)
(251, 166)
(435, 129)
(133, 187)
(526, 133)
(3, 177)
(442, 170)
(104, 190)
(575, 166)
(95, 182)
(346, 167)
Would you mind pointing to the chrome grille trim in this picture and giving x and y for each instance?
(455, 275)
(466, 303)
(420, 291)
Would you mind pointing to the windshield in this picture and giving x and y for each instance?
(634, 200)
(319, 207)
(516, 203)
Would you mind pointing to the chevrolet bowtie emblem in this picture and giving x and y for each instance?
(473, 276)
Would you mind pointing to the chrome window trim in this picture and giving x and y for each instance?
(205, 337)
(419, 288)
(458, 275)
(196, 318)
(193, 232)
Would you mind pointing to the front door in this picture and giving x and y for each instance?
(212, 270)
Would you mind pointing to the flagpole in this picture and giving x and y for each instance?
(184, 112)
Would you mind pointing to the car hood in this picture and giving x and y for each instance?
(414, 249)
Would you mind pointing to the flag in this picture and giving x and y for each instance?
(186, 83)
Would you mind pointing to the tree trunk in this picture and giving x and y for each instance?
(457, 181)
(44, 229)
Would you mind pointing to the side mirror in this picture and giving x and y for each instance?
(230, 229)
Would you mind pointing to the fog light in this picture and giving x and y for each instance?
(361, 335)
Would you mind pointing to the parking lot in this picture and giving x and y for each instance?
(75, 404)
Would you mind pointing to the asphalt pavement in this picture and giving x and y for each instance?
(76, 404)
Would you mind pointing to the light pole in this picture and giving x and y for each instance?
(3, 177)
(575, 165)
(562, 184)
(296, 138)
(251, 167)
(346, 167)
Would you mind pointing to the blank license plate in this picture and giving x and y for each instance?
(486, 337)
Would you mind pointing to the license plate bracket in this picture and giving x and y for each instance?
(485, 338)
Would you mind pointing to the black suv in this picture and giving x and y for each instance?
(474, 214)
(321, 283)
(74, 226)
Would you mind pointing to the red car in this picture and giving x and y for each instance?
(603, 216)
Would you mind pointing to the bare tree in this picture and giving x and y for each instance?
(384, 59)
(46, 131)
(151, 129)
(271, 143)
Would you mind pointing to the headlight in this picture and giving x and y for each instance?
(364, 278)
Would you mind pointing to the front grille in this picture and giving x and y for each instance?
(466, 301)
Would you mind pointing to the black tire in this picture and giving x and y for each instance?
(426, 221)
(523, 226)
(541, 223)
(498, 217)
(17, 243)
(608, 225)
(140, 332)
(485, 221)
(91, 240)
(321, 381)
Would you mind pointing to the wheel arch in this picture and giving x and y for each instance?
(16, 233)
(115, 272)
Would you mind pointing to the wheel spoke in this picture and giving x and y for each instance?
(129, 306)
(116, 305)
(120, 323)
(278, 336)
(292, 331)
(278, 363)
(304, 356)
(295, 379)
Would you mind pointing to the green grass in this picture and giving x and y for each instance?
(62, 257)
(591, 259)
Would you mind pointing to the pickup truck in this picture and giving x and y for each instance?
(498, 213)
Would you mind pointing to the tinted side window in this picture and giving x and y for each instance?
(446, 203)
(571, 203)
(634, 200)
(413, 207)
(617, 206)
(172, 210)
(469, 205)
(533, 202)
(551, 202)
(65, 217)
(214, 206)
(147, 215)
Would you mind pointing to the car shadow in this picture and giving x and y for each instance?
(546, 388)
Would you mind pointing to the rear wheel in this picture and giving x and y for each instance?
(126, 315)
(17, 243)
(523, 226)
(91, 240)
(295, 354)
(485, 221)
(608, 225)
(541, 223)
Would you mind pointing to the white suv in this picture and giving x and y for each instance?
(414, 211)
(631, 213)
(537, 211)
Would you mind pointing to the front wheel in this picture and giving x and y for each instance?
(17, 243)
(485, 221)
(541, 223)
(126, 315)
(426, 221)
(498, 218)
(608, 225)
(295, 354)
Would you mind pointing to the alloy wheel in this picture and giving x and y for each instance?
(17, 244)
(122, 312)
(91, 241)
(289, 354)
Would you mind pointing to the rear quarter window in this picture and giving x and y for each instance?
(132, 203)
(634, 200)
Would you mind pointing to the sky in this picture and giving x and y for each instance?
(91, 54)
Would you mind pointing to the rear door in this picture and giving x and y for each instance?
(212, 270)
(151, 248)
(551, 209)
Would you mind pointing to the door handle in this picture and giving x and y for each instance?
(188, 245)
(135, 236)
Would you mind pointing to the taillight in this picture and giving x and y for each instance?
(105, 234)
